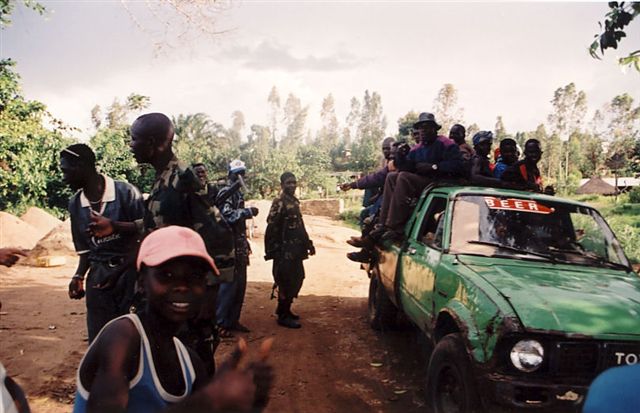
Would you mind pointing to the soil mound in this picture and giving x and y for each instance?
(14, 232)
(41, 220)
(58, 242)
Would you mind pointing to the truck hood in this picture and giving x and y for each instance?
(565, 298)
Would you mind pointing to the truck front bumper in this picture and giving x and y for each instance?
(514, 394)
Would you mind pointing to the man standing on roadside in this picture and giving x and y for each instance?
(112, 276)
(286, 242)
(231, 294)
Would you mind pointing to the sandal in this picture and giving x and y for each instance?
(224, 333)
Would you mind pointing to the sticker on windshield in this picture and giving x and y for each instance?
(512, 204)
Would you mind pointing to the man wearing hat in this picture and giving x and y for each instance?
(434, 157)
(480, 169)
(110, 283)
(231, 294)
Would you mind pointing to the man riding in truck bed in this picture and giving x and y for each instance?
(434, 157)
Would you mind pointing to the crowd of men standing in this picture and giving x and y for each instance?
(109, 218)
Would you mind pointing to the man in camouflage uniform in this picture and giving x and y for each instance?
(287, 243)
(231, 294)
(175, 200)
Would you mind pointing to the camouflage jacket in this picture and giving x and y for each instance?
(286, 236)
(175, 199)
(235, 213)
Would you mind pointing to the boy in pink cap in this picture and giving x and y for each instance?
(136, 364)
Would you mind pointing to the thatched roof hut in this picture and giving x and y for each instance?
(598, 186)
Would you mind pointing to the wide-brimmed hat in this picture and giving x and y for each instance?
(426, 117)
(171, 242)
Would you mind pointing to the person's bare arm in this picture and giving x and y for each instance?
(117, 350)
(102, 226)
(9, 256)
(76, 285)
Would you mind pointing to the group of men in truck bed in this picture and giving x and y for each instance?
(437, 158)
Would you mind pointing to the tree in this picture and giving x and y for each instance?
(274, 113)
(624, 122)
(353, 118)
(171, 24)
(29, 171)
(328, 135)
(405, 125)
(111, 142)
(500, 130)
(446, 107)
(199, 139)
(237, 125)
(7, 6)
(371, 128)
(569, 108)
(620, 16)
(315, 164)
(472, 130)
(295, 117)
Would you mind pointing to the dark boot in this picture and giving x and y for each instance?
(291, 314)
(284, 316)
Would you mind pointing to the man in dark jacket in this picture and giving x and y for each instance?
(435, 157)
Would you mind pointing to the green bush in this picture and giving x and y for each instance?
(634, 195)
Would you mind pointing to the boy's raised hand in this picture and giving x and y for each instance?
(262, 374)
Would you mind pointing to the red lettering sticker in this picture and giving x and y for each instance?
(511, 204)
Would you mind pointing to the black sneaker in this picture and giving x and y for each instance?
(288, 322)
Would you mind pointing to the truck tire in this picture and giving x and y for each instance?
(382, 312)
(450, 385)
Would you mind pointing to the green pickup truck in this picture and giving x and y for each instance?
(523, 298)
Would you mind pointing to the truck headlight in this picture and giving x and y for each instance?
(527, 355)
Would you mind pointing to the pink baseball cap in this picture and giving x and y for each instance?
(171, 242)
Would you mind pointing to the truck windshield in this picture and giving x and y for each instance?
(531, 229)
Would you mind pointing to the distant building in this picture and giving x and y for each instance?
(606, 186)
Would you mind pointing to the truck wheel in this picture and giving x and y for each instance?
(382, 312)
(450, 386)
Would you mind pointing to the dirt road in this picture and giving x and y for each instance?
(335, 363)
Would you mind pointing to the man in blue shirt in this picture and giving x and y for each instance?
(433, 158)
(509, 155)
(111, 279)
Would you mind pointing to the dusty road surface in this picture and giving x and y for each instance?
(335, 363)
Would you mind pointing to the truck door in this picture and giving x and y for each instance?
(420, 260)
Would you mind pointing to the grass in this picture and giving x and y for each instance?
(622, 216)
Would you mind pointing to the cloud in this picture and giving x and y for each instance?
(271, 55)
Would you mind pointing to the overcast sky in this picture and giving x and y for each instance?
(503, 58)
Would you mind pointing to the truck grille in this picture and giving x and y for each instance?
(577, 359)
(580, 359)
